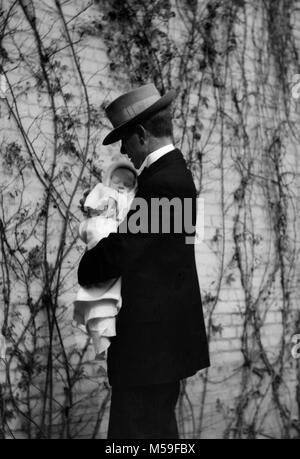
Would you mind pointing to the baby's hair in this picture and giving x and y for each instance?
(128, 170)
(124, 168)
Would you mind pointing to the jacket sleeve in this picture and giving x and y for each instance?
(100, 263)
(113, 255)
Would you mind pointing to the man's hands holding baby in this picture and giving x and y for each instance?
(107, 207)
(82, 201)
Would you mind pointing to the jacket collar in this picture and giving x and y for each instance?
(155, 155)
(160, 163)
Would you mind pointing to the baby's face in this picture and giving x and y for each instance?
(122, 180)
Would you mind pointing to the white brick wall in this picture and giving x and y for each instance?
(225, 385)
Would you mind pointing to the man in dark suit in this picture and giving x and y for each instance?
(160, 331)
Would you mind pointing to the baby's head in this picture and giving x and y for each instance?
(123, 179)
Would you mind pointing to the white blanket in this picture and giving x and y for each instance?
(95, 308)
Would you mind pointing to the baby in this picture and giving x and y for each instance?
(106, 206)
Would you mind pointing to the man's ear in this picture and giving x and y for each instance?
(141, 132)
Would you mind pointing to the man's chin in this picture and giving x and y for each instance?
(135, 163)
(130, 159)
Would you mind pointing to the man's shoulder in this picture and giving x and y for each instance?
(173, 177)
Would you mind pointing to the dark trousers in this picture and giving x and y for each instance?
(144, 411)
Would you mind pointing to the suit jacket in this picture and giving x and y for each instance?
(160, 328)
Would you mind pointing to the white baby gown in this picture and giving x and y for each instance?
(96, 307)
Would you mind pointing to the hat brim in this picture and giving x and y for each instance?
(119, 132)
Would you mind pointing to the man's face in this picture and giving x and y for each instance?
(134, 148)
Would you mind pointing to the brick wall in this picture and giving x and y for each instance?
(246, 168)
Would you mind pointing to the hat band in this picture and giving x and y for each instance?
(124, 114)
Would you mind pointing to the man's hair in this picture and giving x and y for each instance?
(160, 124)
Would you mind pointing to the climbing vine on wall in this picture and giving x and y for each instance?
(211, 41)
(231, 64)
(42, 375)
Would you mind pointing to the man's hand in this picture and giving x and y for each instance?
(85, 211)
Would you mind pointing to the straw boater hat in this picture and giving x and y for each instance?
(134, 107)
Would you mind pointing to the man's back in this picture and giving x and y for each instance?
(160, 328)
(161, 336)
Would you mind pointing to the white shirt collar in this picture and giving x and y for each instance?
(155, 155)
